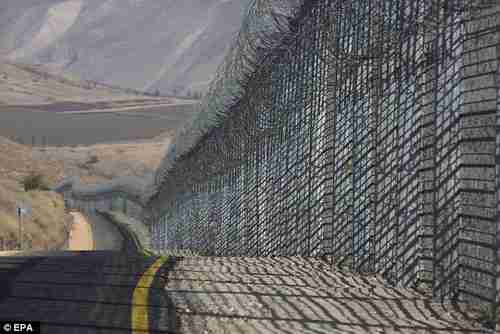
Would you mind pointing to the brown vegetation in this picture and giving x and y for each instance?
(46, 227)
(101, 162)
(26, 173)
(28, 84)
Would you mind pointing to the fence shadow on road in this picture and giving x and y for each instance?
(291, 295)
(78, 292)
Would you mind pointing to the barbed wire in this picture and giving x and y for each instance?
(320, 135)
(132, 187)
(265, 24)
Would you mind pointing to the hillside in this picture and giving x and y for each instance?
(92, 164)
(47, 226)
(34, 88)
(102, 162)
(26, 87)
(170, 45)
(23, 84)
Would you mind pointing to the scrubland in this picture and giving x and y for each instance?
(47, 225)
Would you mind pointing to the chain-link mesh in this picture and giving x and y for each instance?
(364, 130)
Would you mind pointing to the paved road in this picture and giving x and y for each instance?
(116, 290)
(84, 291)
(105, 235)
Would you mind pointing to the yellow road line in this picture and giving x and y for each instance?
(140, 320)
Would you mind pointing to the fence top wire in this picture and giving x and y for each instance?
(268, 30)
(265, 24)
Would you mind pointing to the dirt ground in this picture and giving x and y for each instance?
(297, 295)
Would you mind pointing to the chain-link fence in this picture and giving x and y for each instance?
(364, 130)
(121, 194)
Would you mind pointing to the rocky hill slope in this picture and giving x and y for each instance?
(170, 45)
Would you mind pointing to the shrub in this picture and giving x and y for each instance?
(34, 181)
(93, 159)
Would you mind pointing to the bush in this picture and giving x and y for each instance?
(93, 159)
(34, 181)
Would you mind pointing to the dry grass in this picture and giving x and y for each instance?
(101, 162)
(46, 228)
(30, 85)
(27, 84)
(17, 161)
(49, 224)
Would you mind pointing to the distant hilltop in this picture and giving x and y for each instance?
(171, 47)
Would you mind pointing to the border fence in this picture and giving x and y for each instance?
(122, 194)
(364, 130)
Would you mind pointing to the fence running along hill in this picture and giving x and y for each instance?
(365, 130)
(123, 194)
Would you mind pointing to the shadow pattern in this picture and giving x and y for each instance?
(362, 131)
(300, 295)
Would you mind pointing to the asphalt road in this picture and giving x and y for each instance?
(106, 235)
(84, 291)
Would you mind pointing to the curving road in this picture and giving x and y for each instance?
(87, 291)
(105, 235)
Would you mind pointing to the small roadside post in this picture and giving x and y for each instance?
(22, 209)
(19, 217)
